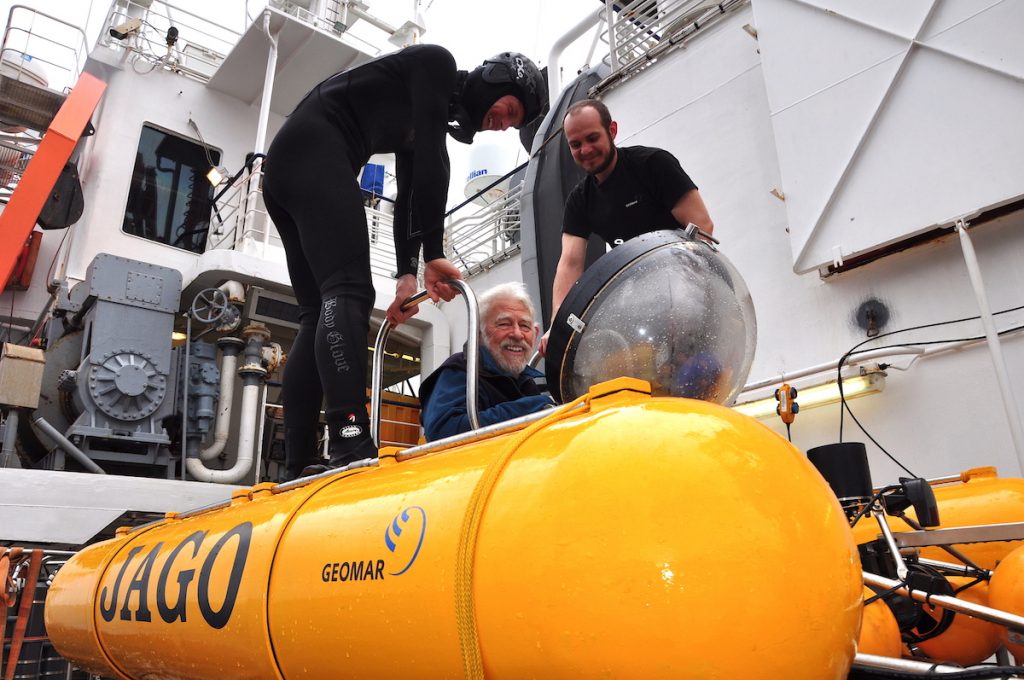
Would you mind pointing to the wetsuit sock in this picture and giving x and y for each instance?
(349, 431)
(300, 452)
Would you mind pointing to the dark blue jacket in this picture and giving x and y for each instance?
(500, 396)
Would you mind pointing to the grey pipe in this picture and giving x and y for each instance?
(890, 540)
(869, 661)
(990, 614)
(995, 348)
(960, 569)
(377, 378)
(65, 444)
(10, 436)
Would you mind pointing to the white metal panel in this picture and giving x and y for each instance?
(708, 105)
(167, 101)
(806, 50)
(816, 140)
(980, 31)
(902, 18)
(72, 507)
(891, 118)
(306, 55)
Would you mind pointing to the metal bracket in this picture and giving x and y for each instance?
(1010, 531)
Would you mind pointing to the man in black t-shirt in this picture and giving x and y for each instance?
(628, 191)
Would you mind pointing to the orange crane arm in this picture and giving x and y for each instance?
(44, 168)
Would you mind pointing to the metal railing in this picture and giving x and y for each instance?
(644, 30)
(40, 51)
(144, 30)
(240, 222)
(240, 219)
(476, 239)
(38, 46)
(334, 17)
(16, 151)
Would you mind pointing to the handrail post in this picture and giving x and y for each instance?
(554, 75)
(472, 359)
(472, 352)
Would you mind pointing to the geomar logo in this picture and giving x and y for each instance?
(404, 537)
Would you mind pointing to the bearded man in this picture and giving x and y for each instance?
(507, 387)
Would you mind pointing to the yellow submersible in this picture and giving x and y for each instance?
(621, 535)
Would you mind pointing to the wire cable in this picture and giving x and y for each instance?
(844, 404)
(206, 148)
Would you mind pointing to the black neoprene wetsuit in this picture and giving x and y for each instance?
(398, 103)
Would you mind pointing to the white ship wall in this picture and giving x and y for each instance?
(708, 105)
(165, 100)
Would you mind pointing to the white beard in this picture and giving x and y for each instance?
(510, 366)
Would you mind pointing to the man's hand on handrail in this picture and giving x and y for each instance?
(436, 277)
(399, 311)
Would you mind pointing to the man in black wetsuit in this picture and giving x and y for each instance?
(628, 191)
(403, 103)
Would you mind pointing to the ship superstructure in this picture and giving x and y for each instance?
(861, 166)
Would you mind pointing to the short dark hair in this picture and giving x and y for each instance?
(597, 105)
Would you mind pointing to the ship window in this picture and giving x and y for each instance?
(170, 199)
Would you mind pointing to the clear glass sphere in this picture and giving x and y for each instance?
(680, 317)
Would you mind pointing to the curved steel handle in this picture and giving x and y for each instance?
(472, 352)
(472, 359)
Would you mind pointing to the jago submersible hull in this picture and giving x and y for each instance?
(620, 536)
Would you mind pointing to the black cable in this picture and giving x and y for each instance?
(488, 188)
(845, 406)
(885, 593)
(202, 142)
(789, 436)
(508, 174)
(853, 349)
(874, 499)
(976, 581)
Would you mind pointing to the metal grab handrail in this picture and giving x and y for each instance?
(472, 358)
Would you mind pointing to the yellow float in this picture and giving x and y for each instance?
(981, 497)
(879, 631)
(619, 536)
(1006, 592)
(968, 640)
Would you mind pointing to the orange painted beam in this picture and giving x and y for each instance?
(55, 148)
